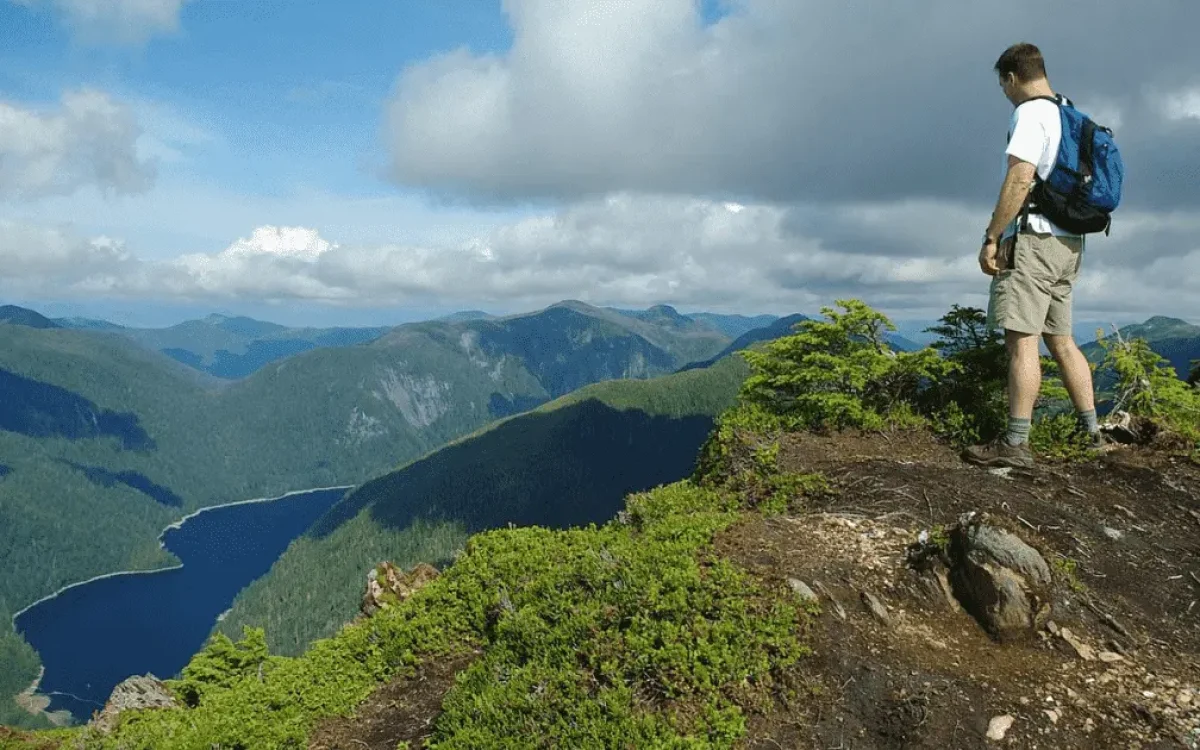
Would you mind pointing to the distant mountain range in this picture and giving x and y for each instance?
(730, 325)
(234, 347)
(24, 317)
(231, 347)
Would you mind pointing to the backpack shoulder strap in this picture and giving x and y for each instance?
(1058, 99)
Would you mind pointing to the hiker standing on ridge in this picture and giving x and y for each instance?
(1033, 261)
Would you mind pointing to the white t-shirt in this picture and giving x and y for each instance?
(1035, 132)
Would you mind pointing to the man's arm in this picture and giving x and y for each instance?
(1017, 183)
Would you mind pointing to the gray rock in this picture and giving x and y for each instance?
(838, 609)
(876, 607)
(1008, 550)
(135, 693)
(802, 590)
(1114, 534)
(998, 578)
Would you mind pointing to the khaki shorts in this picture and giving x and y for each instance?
(1033, 292)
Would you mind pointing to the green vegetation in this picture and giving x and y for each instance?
(1176, 341)
(1068, 569)
(322, 418)
(569, 462)
(1147, 386)
(741, 456)
(840, 373)
(21, 670)
(625, 635)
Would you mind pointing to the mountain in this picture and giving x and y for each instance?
(733, 325)
(776, 329)
(729, 325)
(126, 440)
(24, 317)
(566, 463)
(465, 315)
(1175, 340)
(88, 324)
(234, 347)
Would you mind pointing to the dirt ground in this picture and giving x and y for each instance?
(1122, 534)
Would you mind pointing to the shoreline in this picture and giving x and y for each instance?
(178, 524)
(162, 545)
(34, 703)
(25, 697)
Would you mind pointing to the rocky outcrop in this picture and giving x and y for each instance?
(132, 694)
(388, 585)
(1002, 581)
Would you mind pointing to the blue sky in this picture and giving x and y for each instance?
(366, 162)
(290, 91)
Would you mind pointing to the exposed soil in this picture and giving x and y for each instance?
(401, 711)
(1129, 525)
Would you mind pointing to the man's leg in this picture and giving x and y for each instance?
(1017, 305)
(1024, 383)
(1076, 373)
(1077, 377)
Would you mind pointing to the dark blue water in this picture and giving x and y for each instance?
(95, 635)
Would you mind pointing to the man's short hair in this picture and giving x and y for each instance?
(1024, 60)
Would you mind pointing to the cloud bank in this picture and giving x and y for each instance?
(786, 100)
(627, 249)
(89, 139)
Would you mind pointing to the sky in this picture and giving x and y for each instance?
(376, 161)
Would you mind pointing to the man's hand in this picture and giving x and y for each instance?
(987, 257)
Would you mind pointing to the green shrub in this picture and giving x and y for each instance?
(969, 404)
(1149, 387)
(840, 373)
(220, 664)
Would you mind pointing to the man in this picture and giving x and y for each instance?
(1033, 265)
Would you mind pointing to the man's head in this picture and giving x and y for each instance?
(1022, 72)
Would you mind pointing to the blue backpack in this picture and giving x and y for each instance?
(1084, 186)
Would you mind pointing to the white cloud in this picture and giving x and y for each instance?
(1182, 105)
(39, 255)
(124, 21)
(779, 100)
(90, 139)
(637, 249)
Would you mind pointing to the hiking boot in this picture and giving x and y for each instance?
(999, 453)
(1100, 441)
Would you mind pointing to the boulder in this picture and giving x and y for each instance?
(998, 578)
(387, 585)
(133, 694)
